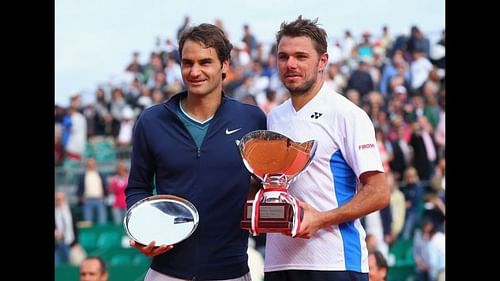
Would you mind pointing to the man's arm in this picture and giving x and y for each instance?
(373, 195)
(142, 167)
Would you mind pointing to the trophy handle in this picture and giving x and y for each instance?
(254, 229)
(297, 210)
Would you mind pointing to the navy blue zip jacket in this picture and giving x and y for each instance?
(213, 178)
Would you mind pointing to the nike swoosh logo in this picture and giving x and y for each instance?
(232, 131)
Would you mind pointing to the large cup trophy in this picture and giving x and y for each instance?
(276, 160)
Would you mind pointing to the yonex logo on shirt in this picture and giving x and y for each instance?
(316, 115)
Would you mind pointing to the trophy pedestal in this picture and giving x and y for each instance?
(274, 217)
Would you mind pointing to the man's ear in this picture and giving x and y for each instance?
(323, 62)
(225, 66)
(384, 273)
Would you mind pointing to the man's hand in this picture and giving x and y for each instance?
(310, 222)
(150, 250)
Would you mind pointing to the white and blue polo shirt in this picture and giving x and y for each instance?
(346, 149)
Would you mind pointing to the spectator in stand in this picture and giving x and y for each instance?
(384, 148)
(58, 146)
(414, 196)
(169, 50)
(144, 100)
(154, 65)
(185, 25)
(124, 138)
(438, 181)
(418, 41)
(102, 118)
(361, 80)
(135, 66)
(400, 79)
(432, 110)
(250, 41)
(437, 255)
(424, 148)
(335, 78)
(348, 45)
(93, 269)
(401, 151)
(398, 207)
(118, 103)
(378, 224)
(386, 40)
(157, 96)
(365, 47)
(353, 96)
(92, 193)
(420, 68)
(270, 101)
(74, 130)
(438, 52)
(378, 266)
(65, 234)
(173, 72)
(220, 24)
(117, 185)
(390, 70)
(429, 252)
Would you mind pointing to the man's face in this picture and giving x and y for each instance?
(90, 270)
(60, 198)
(299, 64)
(201, 69)
(375, 273)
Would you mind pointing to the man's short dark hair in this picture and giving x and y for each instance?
(380, 260)
(305, 27)
(211, 36)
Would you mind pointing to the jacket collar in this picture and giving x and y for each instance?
(173, 102)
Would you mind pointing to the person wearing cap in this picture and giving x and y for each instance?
(186, 147)
(124, 137)
(400, 92)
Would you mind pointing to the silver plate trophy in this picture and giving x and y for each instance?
(165, 219)
(276, 160)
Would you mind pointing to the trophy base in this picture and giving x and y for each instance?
(274, 217)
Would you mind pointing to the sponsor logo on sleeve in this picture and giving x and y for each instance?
(366, 146)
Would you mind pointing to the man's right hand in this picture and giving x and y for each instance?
(150, 250)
